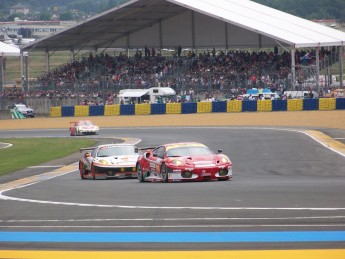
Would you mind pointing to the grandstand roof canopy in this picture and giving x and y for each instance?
(191, 24)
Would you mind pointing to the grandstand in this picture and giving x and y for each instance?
(277, 55)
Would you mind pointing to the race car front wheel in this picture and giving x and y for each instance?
(93, 172)
(140, 173)
(82, 171)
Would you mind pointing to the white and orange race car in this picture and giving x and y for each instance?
(83, 127)
(108, 161)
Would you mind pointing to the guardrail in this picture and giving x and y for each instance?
(321, 104)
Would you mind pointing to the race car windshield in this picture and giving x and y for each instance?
(115, 151)
(86, 123)
(188, 151)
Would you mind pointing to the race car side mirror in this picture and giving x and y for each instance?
(220, 151)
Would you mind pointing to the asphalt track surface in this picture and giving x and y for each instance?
(287, 193)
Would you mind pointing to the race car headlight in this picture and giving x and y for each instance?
(103, 162)
(225, 159)
(177, 162)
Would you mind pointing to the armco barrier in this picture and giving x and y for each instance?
(112, 110)
(340, 104)
(143, 109)
(219, 106)
(173, 108)
(55, 112)
(201, 107)
(234, 106)
(264, 106)
(310, 104)
(326, 104)
(96, 110)
(158, 108)
(295, 105)
(128, 109)
(189, 108)
(279, 105)
(204, 107)
(249, 106)
(67, 111)
(81, 110)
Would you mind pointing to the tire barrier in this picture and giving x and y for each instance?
(321, 104)
(16, 114)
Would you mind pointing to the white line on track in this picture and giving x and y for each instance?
(6, 145)
(4, 197)
(165, 219)
(186, 226)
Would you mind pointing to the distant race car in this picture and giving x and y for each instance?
(23, 109)
(177, 162)
(83, 127)
(108, 161)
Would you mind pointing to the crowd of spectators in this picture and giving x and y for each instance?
(208, 72)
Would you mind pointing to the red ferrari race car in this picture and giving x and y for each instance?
(83, 127)
(109, 161)
(177, 162)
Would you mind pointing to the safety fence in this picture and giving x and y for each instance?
(322, 104)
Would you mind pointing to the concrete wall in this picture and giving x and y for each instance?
(5, 114)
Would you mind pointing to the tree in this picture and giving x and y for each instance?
(45, 16)
(12, 16)
(67, 16)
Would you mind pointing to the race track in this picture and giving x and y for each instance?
(285, 184)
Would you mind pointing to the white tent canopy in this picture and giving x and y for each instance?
(7, 50)
(191, 24)
(133, 93)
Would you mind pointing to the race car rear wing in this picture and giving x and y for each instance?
(86, 149)
(145, 148)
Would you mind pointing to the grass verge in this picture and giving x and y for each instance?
(34, 151)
